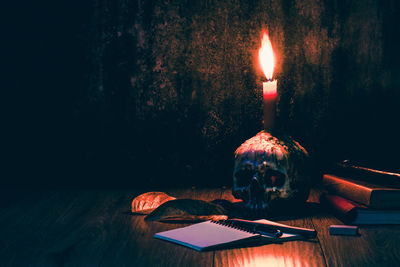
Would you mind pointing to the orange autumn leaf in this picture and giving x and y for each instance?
(147, 202)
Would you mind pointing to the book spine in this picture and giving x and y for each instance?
(347, 189)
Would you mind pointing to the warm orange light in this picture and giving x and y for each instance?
(266, 56)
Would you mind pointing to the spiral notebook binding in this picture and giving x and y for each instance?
(231, 225)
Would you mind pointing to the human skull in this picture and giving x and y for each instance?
(270, 172)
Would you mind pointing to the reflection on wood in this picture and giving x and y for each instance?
(299, 253)
(96, 228)
(374, 246)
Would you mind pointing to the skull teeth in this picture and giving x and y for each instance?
(264, 171)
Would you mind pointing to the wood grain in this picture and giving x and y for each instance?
(374, 246)
(95, 227)
(143, 250)
(294, 253)
(90, 228)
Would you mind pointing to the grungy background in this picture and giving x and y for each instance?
(162, 92)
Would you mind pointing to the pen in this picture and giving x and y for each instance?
(258, 226)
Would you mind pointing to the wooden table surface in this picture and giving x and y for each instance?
(95, 227)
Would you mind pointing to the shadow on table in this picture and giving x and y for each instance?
(283, 212)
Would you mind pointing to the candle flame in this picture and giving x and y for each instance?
(266, 56)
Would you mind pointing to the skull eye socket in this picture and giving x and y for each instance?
(244, 177)
(274, 178)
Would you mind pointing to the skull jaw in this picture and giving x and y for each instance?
(262, 192)
(258, 201)
(275, 206)
(262, 201)
(279, 165)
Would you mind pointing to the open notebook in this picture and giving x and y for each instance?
(211, 235)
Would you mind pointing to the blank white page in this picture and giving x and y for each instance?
(207, 234)
(203, 235)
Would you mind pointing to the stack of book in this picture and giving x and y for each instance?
(363, 196)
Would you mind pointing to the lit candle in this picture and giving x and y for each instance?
(267, 61)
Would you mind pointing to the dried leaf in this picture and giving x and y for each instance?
(186, 210)
(147, 202)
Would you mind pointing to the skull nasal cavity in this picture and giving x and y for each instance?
(255, 185)
(274, 178)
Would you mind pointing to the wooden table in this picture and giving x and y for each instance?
(94, 227)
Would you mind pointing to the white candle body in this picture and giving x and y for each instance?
(269, 103)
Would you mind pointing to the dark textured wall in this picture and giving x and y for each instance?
(175, 86)
(165, 91)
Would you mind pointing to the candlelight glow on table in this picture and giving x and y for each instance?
(267, 61)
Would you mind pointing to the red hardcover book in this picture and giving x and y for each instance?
(368, 194)
(354, 213)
